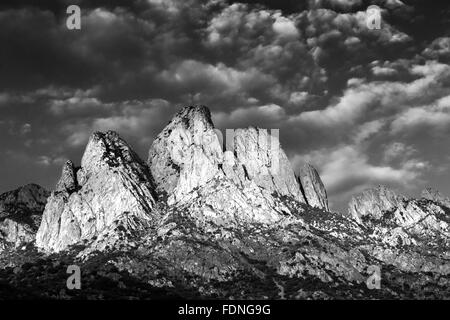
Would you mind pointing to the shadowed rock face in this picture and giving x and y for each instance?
(20, 214)
(68, 181)
(187, 149)
(231, 187)
(313, 188)
(111, 182)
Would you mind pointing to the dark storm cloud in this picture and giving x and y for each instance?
(362, 105)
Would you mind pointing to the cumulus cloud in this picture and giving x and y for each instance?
(396, 150)
(434, 118)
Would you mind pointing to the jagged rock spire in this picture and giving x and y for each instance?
(112, 181)
(312, 187)
(188, 153)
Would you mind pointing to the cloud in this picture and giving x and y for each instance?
(366, 130)
(347, 170)
(396, 150)
(438, 49)
(137, 121)
(367, 100)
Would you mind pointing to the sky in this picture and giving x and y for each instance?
(365, 107)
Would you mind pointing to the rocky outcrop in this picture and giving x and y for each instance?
(20, 214)
(436, 196)
(111, 182)
(390, 214)
(234, 224)
(188, 154)
(411, 234)
(229, 187)
(261, 159)
(374, 203)
(313, 188)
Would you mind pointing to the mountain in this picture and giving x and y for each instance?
(20, 215)
(434, 195)
(198, 221)
(416, 231)
(221, 186)
(187, 154)
(112, 185)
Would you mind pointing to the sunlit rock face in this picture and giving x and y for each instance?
(188, 154)
(111, 182)
(234, 224)
(20, 214)
(313, 188)
(262, 160)
(373, 203)
(401, 223)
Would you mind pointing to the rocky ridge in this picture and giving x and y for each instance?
(198, 221)
(434, 195)
(111, 184)
(188, 153)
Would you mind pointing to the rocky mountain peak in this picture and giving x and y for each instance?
(189, 153)
(108, 149)
(192, 116)
(436, 196)
(312, 187)
(111, 182)
(374, 203)
(258, 154)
